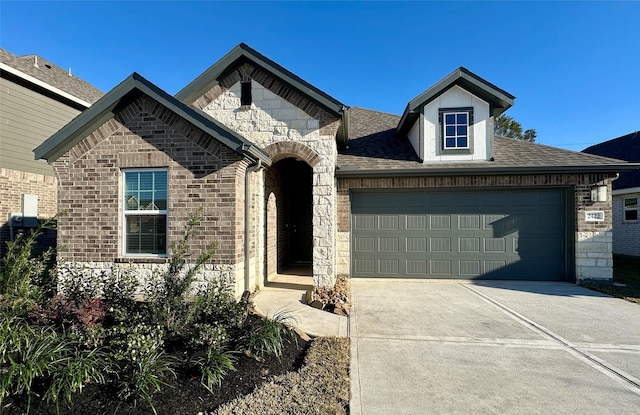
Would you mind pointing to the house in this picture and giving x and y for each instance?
(37, 98)
(626, 193)
(290, 175)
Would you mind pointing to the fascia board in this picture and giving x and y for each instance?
(41, 84)
(484, 171)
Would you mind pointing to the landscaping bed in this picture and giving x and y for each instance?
(87, 344)
(183, 394)
(626, 279)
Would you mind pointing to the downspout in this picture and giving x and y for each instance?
(252, 168)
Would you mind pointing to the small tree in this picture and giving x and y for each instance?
(506, 126)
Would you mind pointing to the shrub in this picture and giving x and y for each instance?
(74, 371)
(144, 377)
(266, 336)
(214, 366)
(24, 279)
(29, 354)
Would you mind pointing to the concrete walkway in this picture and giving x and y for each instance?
(492, 348)
(285, 294)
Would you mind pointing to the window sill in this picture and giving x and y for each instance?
(141, 260)
(446, 151)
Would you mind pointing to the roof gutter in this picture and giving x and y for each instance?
(355, 173)
(41, 84)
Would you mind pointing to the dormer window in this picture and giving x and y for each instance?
(456, 129)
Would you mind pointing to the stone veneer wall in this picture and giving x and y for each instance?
(271, 120)
(13, 184)
(626, 240)
(593, 240)
(202, 172)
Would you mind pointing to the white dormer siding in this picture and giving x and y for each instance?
(426, 133)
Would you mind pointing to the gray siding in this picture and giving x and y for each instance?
(26, 120)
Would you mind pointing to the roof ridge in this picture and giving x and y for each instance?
(372, 110)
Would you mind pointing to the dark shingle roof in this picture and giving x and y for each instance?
(626, 148)
(373, 146)
(372, 143)
(51, 74)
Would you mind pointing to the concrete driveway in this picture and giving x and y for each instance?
(492, 348)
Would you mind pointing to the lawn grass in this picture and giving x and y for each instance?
(321, 386)
(626, 270)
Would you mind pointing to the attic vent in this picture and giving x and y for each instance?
(47, 66)
(245, 93)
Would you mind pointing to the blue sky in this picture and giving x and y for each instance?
(574, 67)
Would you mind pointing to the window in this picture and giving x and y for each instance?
(145, 212)
(456, 129)
(245, 93)
(631, 208)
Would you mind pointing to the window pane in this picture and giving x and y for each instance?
(631, 203)
(145, 190)
(462, 118)
(449, 119)
(630, 215)
(462, 130)
(146, 234)
(451, 131)
(462, 142)
(451, 142)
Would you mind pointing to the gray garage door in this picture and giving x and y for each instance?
(489, 234)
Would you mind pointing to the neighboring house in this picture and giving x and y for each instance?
(287, 174)
(626, 193)
(37, 98)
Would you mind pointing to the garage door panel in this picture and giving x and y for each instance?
(416, 222)
(468, 221)
(439, 244)
(417, 267)
(364, 222)
(444, 235)
(416, 244)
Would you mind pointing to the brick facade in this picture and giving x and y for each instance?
(593, 240)
(201, 172)
(13, 184)
(626, 240)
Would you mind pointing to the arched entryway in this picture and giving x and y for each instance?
(289, 215)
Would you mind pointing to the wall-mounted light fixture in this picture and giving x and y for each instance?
(599, 193)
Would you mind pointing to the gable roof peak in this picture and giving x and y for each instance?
(127, 91)
(242, 53)
(498, 99)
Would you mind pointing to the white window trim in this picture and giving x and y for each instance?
(456, 136)
(125, 213)
(625, 209)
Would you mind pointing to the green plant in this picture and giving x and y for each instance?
(267, 335)
(209, 335)
(166, 293)
(27, 355)
(215, 366)
(30, 353)
(145, 377)
(73, 372)
(25, 279)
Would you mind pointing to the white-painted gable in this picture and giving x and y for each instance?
(426, 134)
